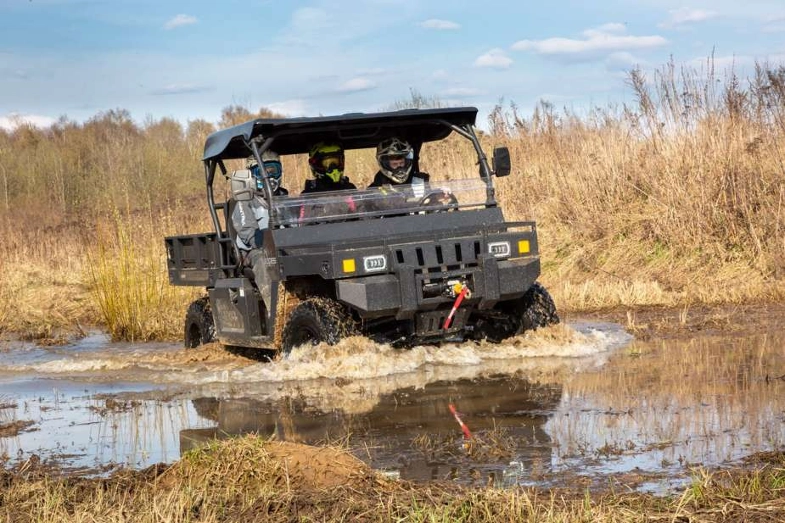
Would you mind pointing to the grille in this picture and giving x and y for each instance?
(433, 256)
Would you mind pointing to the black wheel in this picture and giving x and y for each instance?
(535, 309)
(199, 327)
(317, 320)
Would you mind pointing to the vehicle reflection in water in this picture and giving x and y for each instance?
(410, 431)
(649, 408)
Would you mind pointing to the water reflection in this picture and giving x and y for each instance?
(410, 430)
(653, 407)
(668, 404)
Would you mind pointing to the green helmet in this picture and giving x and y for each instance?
(326, 160)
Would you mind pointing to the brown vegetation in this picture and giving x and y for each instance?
(677, 199)
(252, 480)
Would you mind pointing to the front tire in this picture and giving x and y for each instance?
(317, 320)
(199, 327)
(535, 309)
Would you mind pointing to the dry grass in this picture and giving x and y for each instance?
(676, 200)
(127, 272)
(247, 479)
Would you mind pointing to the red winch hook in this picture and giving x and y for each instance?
(465, 292)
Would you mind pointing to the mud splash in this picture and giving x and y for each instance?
(94, 359)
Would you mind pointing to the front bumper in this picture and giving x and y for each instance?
(401, 294)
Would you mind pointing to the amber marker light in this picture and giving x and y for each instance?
(348, 265)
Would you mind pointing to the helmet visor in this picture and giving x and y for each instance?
(273, 169)
(395, 162)
(330, 162)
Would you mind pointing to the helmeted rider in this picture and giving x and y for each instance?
(251, 218)
(271, 167)
(326, 160)
(395, 158)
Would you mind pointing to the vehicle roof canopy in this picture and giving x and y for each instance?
(352, 130)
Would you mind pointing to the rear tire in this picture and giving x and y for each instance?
(317, 320)
(199, 327)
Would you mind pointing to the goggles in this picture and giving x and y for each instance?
(272, 170)
(328, 162)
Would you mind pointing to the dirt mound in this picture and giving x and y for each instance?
(253, 464)
(319, 468)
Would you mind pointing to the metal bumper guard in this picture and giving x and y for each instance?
(401, 293)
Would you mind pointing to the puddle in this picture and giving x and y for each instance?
(579, 400)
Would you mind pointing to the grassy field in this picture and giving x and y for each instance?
(249, 479)
(675, 200)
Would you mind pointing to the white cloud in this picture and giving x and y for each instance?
(374, 71)
(13, 120)
(289, 107)
(435, 23)
(180, 89)
(599, 40)
(724, 64)
(461, 91)
(179, 20)
(357, 84)
(686, 15)
(439, 74)
(495, 58)
(605, 29)
(773, 24)
(621, 60)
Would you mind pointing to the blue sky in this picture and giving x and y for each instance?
(189, 59)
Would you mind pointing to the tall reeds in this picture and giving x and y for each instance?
(677, 198)
(129, 282)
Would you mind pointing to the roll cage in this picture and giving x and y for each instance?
(353, 131)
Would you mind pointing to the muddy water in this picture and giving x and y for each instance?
(580, 402)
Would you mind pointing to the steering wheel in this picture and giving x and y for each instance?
(439, 197)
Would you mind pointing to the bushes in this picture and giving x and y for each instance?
(677, 198)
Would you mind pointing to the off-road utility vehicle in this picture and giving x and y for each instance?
(403, 264)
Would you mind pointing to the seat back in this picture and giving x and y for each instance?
(229, 208)
(239, 259)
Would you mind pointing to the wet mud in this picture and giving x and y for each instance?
(642, 399)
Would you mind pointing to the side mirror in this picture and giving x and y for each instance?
(243, 185)
(500, 162)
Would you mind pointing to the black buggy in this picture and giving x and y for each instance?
(404, 265)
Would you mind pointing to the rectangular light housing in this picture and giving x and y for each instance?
(375, 263)
(523, 247)
(499, 249)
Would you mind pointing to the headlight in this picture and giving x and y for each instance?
(499, 249)
(375, 263)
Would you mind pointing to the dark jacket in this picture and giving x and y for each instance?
(381, 180)
(396, 195)
(315, 185)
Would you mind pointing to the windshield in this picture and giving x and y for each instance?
(375, 202)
